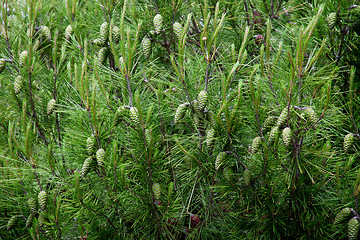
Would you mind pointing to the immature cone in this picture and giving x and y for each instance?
(344, 214)
(115, 31)
(156, 190)
(282, 117)
(134, 115)
(228, 172)
(23, 57)
(97, 42)
(41, 219)
(17, 84)
(177, 29)
(100, 156)
(2, 64)
(42, 198)
(348, 141)
(32, 205)
(287, 136)
(310, 114)
(180, 112)
(86, 166)
(331, 19)
(29, 220)
(45, 32)
(147, 136)
(146, 47)
(247, 177)
(255, 145)
(210, 140)
(273, 134)
(219, 160)
(353, 228)
(269, 121)
(197, 107)
(104, 33)
(90, 141)
(36, 45)
(102, 55)
(11, 222)
(68, 32)
(195, 220)
(203, 97)
(51, 106)
(122, 63)
(158, 23)
(211, 118)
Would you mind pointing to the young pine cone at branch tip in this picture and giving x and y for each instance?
(51, 106)
(134, 116)
(343, 215)
(202, 97)
(177, 29)
(90, 142)
(102, 55)
(287, 136)
(100, 156)
(2, 64)
(104, 33)
(146, 47)
(310, 115)
(255, 145)
(220, 160)
(86, 166)
(348, 141)
(68, 32)
(273, 134)
(32, 205)
(247, 177)
(210, 138)
(29, 220)
(23, 58)
(45, 32)
(115, 32)
(180, 112)
(353, 228)
(331, 19)
(158, 23)
(283, 116)
(156, 190)
(269, 122)
(42, 198)
(17, 84)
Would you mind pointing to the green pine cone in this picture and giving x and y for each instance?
(287, 136)
(348, 141)
(32, 205)
(68, 32)
(269, 122)
(228, 173)
(134, 115)
(219, 160)
(90, 142)
(156, 190)
(41, 219)
(100, 156)
(29, 220)
(203, 97)
(353, 228)
(247, 177)
(180, 112)
(45, 32)
(42, 198)
(115, 34)
(51, 106)
(2, 64)
(86, 166)
(344, 214)
(211, 118)
(146, 47)
(177, 29)
(273, 134)
(331, 19)
(255, 145)
(210, 139)
(122, 63)
(23, 57)
(310, 115)
(104, 33)
(283, 116)
(147, 136)
(102, 55)
(17, 84)
(97, 42)
(11, 222)
(158, 23)
(198, 110)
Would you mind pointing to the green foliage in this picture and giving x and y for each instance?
(129, 119)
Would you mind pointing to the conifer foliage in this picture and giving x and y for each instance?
(130, 119)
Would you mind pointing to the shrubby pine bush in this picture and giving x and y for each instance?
(129, 119)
